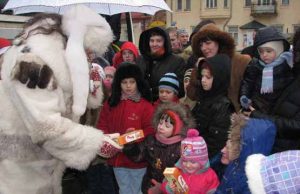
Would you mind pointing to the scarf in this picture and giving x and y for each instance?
(134, 97)
(267, 74)
(169, 140)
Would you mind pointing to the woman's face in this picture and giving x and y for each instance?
(209, 48)
(156, 43)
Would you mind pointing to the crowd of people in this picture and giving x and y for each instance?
(203, 107)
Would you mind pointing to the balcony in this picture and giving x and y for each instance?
(264, 9)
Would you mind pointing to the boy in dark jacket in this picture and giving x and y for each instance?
(266, 77)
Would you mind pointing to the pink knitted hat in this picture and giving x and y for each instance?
(194, 148)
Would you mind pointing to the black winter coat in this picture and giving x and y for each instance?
(251, 84)
(155, 67)
(286, 116)
(213, 122)
(158, 155)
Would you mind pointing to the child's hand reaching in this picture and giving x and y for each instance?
(156, 188)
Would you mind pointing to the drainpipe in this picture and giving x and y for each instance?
(230, 16)
(171, 13)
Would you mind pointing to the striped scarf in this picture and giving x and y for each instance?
(134, 97)
(267, 74)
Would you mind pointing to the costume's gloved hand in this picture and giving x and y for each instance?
(245, 102)
(110, 147)
(33, 71)
(155, 189)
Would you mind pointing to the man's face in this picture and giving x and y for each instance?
(183, 38)
(175, 43)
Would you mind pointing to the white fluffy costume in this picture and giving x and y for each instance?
(43, 91)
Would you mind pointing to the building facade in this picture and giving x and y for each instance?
(238, 17)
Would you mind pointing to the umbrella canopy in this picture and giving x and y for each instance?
(107, 7)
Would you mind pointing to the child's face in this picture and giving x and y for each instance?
(190, 166)
(186, 83)
(165, 127)
(166, 95)
(129, 86)
(206, 79)
(128, 56)
(156, 43)
(267, 54)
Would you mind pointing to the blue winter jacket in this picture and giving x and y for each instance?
(257, 136)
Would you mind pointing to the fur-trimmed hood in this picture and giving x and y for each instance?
(212, 32)
(182, 111)
(250, 136)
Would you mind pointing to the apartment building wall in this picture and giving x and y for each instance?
(231, 17)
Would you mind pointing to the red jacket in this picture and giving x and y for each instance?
(127, 114)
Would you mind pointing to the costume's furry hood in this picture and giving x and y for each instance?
(182, 111)
(212, 32)
(60, 42)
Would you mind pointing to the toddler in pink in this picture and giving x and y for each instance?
(194, 167)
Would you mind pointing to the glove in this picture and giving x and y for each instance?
(245, 102)
(156, 188)
(109, 148)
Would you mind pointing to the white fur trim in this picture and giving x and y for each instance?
(253, 166)
(85, 29)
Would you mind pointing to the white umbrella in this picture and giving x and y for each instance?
(107, 7)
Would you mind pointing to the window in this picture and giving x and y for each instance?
(247, 3)
(211, 3)
(285, 2)
(188, 5)
(266, 2)
(225, 4)
(179, 4)
(233, 31)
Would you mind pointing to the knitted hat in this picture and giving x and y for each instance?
(109, 70)
(182, 31)
(193, 147)
(277, 46)
(169, 81)
(278, 173)
(187, 74)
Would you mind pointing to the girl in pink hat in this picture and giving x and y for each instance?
(194, 167)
